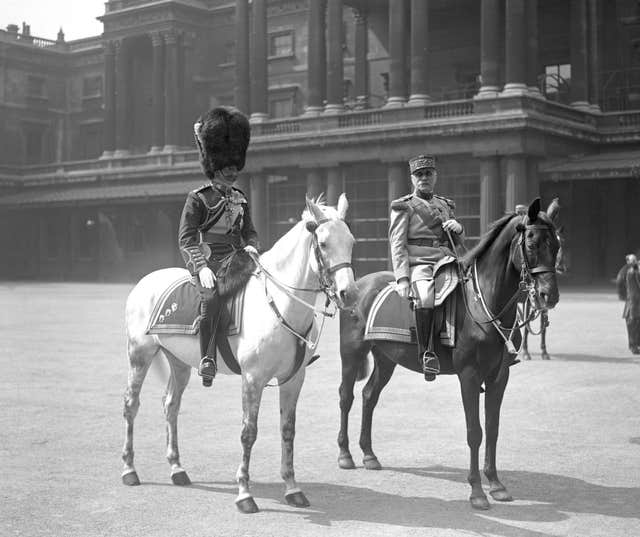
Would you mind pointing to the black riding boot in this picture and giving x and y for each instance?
(426, 356)
(208, 365)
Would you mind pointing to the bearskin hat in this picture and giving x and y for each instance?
(222, 136)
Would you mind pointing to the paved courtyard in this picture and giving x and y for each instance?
(569, 448)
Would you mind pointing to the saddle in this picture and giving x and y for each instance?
(178, 312)
(390, 317)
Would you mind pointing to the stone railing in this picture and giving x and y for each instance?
(617, 120)
(31, 41)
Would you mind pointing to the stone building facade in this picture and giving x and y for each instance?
(515, 98)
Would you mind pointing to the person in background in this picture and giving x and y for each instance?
(628, 286)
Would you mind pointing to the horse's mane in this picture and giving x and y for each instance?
(486, 240)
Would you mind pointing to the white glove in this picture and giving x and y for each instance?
(207, 278)
(250, 249)
(452, 225)
(402, 287)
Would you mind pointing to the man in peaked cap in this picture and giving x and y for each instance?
(418, 226)
(216, 231)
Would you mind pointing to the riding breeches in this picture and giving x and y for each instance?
(424, 292)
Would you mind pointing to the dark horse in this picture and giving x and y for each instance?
(562, 266)
(517, 249)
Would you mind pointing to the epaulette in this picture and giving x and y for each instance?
(401, 203)
(203, 187)
(448, 201)
(241, 192)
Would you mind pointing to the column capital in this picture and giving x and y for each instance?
(109, 48)
(157, 38)
(360, 14)
(171, 37)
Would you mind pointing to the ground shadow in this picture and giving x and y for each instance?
(562, 357)
(558, 493)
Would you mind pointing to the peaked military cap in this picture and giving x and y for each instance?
(420, 162)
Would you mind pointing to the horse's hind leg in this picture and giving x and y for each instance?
(251, 397)
(289, 393)
(492, 403)
(180, 373)
(382, 371)
(352, 359)
(140, 358)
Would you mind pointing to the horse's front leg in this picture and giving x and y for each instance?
(525, 343)
(180, 373)
(492, 402)
(470, 387)
(251, 396)
(289, 393)
(382, 371)
(544, 323)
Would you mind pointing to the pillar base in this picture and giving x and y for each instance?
(514, 88)
(170, 148)
(155, 149)
(362, 102)
(418, 99)
(534, 91)
(313, 111)
(106, 154)
(118, 153)
(395, 102)
(487, 92)
(581, 105)
(258, 117)
(595, 108)
(332, 109)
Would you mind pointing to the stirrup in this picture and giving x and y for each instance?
(430, 365)
(207, 370)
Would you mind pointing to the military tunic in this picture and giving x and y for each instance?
(416, 235)
(215, 221)
(628, 286)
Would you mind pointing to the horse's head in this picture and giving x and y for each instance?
(333, 247)
(536, 249)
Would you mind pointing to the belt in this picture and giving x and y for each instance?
(434, 243)
(221, 238)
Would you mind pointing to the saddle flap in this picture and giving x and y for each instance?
(444, 274)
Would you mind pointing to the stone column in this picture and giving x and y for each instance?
(397, 72)
(361, 61)
(515, 56)
(533, 180)
(316, 59)
(334, 185)
(259, 76)
(516, 184)
(259, 210)
(595, 16)
(123, 115)
(489, 48)
(533, 59)
(243, 30)
(335, 78)
(419, 53)
(315, 183)
(243, 182)
(157, 76)
(109, 99)
(172, 90)
(490, 209)
(579, 60)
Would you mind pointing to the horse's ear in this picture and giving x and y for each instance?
(343, 205)
(554, 209)
(534, 209)
(315, 211)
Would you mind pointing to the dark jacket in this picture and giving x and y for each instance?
(215, 221)
(628, 286)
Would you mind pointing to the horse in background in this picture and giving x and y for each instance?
(516, 253)
(562, 266)
(275, 338)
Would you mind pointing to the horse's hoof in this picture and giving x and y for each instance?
(546, 357)
(181, 479)
(526, 357)
(346, 462)
(371, 463)
(479, 502)
(247, 505)
(297, 499)
(131, 479)
(501, 495)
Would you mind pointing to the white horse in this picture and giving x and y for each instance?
(278, 314)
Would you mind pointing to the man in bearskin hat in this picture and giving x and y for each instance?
(418, 226)
(216, 235)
